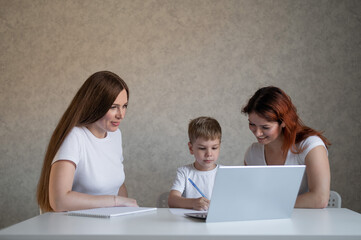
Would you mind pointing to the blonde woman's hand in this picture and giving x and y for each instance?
(125, 202)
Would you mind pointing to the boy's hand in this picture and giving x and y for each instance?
(201, 204)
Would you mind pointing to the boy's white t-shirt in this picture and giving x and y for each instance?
(255, 156)
(203, 179)
(99, 161)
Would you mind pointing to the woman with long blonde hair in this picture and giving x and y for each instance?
(83, 164)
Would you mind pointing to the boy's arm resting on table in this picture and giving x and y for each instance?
(62, 198)
(175, 200)
(318, 177)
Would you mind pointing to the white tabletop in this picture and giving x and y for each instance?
(328, 223)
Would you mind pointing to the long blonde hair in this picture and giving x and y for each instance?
(91, 102)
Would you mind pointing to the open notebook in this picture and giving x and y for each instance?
(110, 211)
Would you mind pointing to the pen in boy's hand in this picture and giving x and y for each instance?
(194, 185)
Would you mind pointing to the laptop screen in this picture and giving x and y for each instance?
(254, 192)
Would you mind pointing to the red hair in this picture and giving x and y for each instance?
(275, 105)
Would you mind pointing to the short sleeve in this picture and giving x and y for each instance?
(70, 149)
(179, 182)
(310, 143)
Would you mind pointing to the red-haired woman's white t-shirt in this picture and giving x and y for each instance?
(255, 156)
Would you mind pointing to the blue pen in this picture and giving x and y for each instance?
(194, 185)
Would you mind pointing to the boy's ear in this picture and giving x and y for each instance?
(190, 146)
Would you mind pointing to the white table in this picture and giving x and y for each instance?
(328, 223)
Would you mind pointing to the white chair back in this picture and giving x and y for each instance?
(162, 201)
(335, 200)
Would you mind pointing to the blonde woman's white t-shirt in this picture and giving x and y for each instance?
(203, 179)
(255, 156)
(99, 161)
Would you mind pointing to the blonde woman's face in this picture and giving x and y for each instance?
(111, 120)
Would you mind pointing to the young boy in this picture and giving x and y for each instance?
(205, 135)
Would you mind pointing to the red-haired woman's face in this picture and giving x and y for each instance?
(265, 131)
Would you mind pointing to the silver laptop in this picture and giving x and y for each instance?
(253, 193)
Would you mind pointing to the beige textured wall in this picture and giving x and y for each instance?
(181, 59)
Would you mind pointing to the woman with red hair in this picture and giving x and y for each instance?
(282, 139)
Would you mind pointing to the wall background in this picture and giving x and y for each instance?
(181, 59)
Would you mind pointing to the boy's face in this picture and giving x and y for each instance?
(205, 153)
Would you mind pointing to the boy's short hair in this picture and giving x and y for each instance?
(204, 127)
